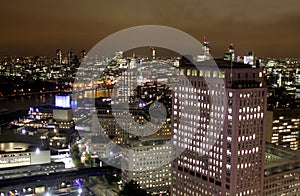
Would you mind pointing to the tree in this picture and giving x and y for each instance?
(88, 159)
(75, 154)
(132, 188)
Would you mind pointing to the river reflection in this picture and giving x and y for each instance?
(100, 93)
(23, 103)
(13, 104)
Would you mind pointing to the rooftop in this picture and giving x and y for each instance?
(280, 159)
(218, 61)
(147, 141)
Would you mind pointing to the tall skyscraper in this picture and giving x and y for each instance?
(83, 55)
(59, 56)
(230, 55)
(128, 82)
(224, 136)
(206, 48)
(205, 51)
(70, 56)
(153, 52)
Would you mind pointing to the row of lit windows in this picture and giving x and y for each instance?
(14, 155)
(14, 160)
(202, 73)
(250, 109)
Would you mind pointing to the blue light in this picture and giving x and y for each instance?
(78, 182)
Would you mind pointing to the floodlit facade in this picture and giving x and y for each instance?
(120, 130)
(148, 163)
(223, 130)
(16, 159)
(285, 127)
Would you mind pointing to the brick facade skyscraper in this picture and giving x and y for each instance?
(222, 132)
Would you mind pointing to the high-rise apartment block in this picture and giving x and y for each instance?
(222, 131)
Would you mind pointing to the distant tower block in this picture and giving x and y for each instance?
(206, 47)
(59, 56)
(206, 51)
(152, 52)
(83, 54)
(128, 82)
(229, 55)
(70, 56)
(249, 59)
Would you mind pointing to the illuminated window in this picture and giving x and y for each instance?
(188, 72)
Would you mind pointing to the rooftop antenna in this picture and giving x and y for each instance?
(231, 62)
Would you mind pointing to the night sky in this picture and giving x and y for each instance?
(39, 27)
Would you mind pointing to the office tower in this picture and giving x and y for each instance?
(206, 51)
(83, 55)
(146, 161)
(283, 127)
(128, 83)
(59, 56)
(153, 52)
(206, 48)
(224, 136)
(70, 56)
(229, 55)
(249, 59)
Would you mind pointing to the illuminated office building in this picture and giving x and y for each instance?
(233, 163)
(121, 130)
(70, 56)
(128, 83)
(206, 52)
(59, 56)
(284, 127)
(282, 171)
(150, 171)
(230, 55)
(26, 158)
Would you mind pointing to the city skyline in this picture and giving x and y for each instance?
(267, 28)
(216, 114)
(162, 98)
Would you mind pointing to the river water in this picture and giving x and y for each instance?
(13, 104)
(23, 103)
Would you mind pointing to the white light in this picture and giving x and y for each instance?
(79, 190)
(37, 151)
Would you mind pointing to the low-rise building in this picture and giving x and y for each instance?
(282, 171)
(26, 158)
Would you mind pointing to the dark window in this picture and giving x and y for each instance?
(227, 187)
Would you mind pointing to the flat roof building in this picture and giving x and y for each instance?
(147, 161)
(282, 171)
